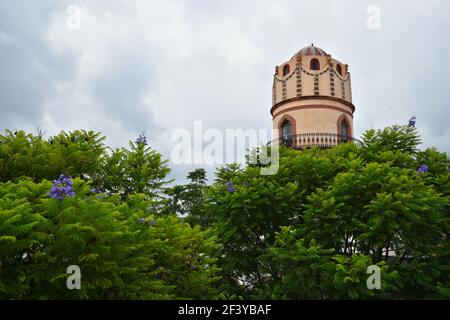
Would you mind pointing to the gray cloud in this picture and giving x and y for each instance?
(160, 65)
(28, 67)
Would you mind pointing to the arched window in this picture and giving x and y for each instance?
(314, 64)
(344, 130)
(286, 131)
(286, 69)
(339, 69)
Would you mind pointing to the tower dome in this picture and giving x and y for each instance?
(310, 51)
(312, 100)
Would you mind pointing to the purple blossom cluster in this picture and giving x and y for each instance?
(230, 187)
(150, 223)
(423, 168)
(62, 187)
(142, 139)
(97, 192)
(412, 121)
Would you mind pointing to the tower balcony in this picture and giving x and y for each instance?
(309, 140)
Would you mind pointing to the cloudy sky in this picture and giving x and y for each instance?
(122, 67)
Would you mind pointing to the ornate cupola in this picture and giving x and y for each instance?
(312, 100)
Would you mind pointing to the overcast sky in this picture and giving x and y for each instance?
(156, 66)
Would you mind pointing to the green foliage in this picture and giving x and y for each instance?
(83, 154)
(227, 172)
(297, 270)
(138, 170)
(74, 154)
(22, 230)
(189, 199)
(305, 270)
(375, 207)
(395, 138)
(124, 249)
(310, 231)
(121, 255)
(350, 278)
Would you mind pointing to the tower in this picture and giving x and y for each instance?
(312, 100)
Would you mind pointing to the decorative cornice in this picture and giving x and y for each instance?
(317, 106)
(344, 102)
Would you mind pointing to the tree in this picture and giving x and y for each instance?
(301, 269)
(385, 203)
(187, 200)
(99, 215)
(249, 212)
(78, 154)
(137, 170)
(123, 251)
(310, 231)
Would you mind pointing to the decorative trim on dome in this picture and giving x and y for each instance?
(299, 81)
(316, 85)
(341, 77)
(274, 91)
(316, 73)
(332, 88)
(283, 79)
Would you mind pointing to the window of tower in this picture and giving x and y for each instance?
(286, 69)
(286, 130)
(339, 69)
(344, 130)
(314, 64)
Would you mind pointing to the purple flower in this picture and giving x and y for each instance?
(142, 139)
(412, 122)
(150, 223)
(94, 190)
(62, 187)
(230, 187)
(423, 168)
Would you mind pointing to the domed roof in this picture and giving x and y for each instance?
(310, 51)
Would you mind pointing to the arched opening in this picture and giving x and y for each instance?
(314, 64)
(339, 69)
(286, 70)
(286, 132)
(344, 130)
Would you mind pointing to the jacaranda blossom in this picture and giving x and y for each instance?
(94, 190)
(423, 168)
(62, 187)
(230, 186)
(142, 139)
(412, 122)
(150, 223)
